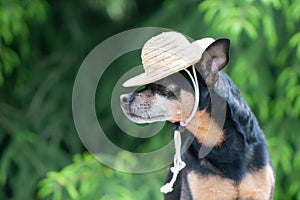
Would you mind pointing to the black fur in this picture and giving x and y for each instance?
(244, 149)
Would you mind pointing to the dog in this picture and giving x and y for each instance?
(238, 165)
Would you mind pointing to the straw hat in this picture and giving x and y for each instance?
(166, 54)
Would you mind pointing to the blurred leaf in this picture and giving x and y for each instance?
(105, 182)
(270, 31)
(295, 42)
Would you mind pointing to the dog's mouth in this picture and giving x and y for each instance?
(137, 115)
(139, 118)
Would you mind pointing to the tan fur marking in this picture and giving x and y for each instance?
(187, 103)
(211, 187)
(257, 185)
(174, 111)
(206, 130)
(180, 110)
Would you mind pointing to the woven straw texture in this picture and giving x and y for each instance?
(166, 54)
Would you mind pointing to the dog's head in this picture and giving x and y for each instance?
(172, 98)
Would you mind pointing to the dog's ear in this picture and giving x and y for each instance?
(213, 59)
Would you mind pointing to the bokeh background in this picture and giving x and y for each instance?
(42, 44)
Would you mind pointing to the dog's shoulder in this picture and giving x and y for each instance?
(240, 166)
(239, 111)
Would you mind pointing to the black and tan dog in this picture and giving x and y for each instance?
(238, 165)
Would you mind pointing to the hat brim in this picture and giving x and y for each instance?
(144, 79)
(160, 72)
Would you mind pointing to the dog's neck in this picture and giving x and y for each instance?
(202, 126)
(205, 129)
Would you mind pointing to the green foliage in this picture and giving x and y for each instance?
(42, 44)
(117, 10)
(15, 17)
(86, 179)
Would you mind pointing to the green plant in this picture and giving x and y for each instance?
(87, 179)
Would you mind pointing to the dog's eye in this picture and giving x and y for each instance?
(165, 92)
(169, 95)
(161, 90)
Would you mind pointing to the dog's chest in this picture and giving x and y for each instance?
(254, 186)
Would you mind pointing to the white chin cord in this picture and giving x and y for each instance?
(178, 163)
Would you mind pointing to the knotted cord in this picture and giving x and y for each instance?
(178, 163)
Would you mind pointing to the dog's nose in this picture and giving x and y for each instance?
(126, 98)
